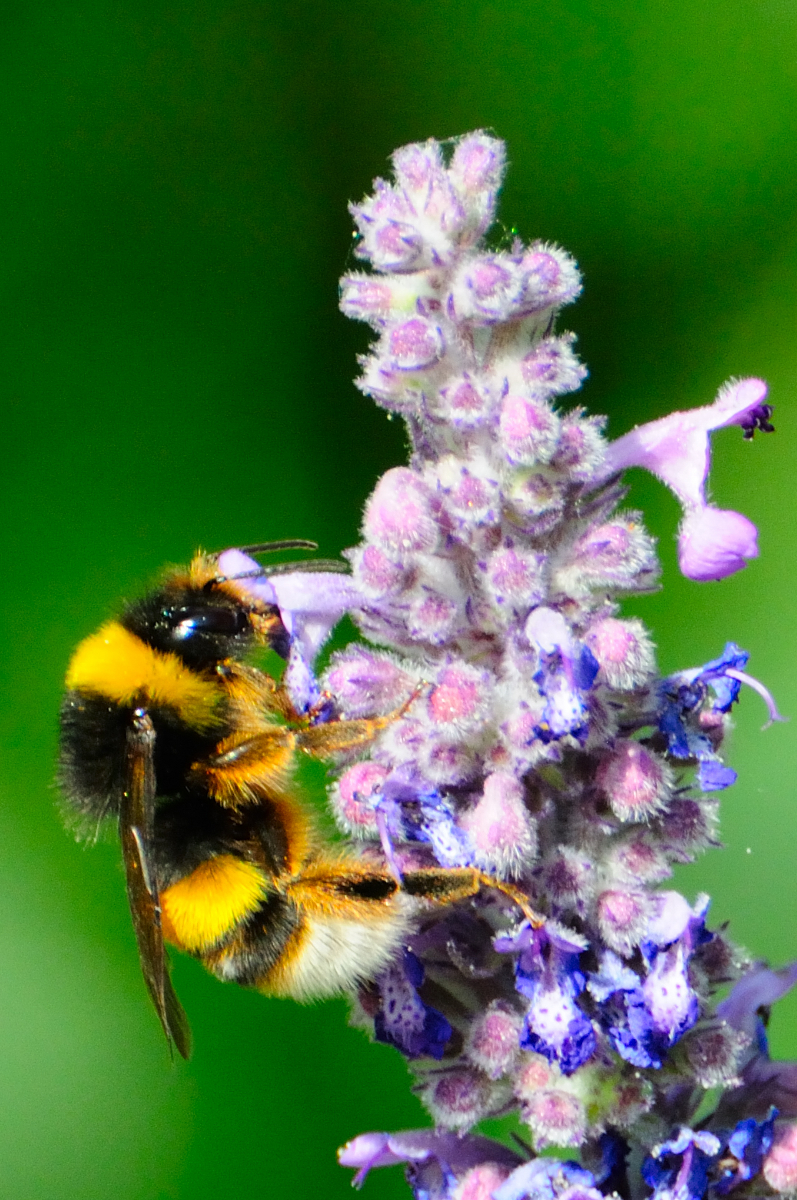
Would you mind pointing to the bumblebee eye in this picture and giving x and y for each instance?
(191, 620)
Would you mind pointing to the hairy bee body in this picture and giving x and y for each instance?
(224, 860)
(166, 727)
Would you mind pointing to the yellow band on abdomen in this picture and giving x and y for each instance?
(208, 903)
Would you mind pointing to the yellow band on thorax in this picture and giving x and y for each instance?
(116, 664)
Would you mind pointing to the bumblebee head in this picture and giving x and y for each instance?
(204, 621)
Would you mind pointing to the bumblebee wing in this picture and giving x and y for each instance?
(136, 824)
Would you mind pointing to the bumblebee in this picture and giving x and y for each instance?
(168, 728)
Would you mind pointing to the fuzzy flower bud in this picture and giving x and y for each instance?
(635, 782)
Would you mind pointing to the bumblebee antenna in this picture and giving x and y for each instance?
(321, 565)
(288, 544)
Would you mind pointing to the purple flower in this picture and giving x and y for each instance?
(689, 698)
(678, 1169)
(566, 672)
(403, 1019)
(712, 542)
(644, 1015)
(456, 1154)
(548, 975)
(546, 1179)
(743, 1152)
(311, 604)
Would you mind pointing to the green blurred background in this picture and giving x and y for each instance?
(175, 372)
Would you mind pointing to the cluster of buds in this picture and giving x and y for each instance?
(542, 748)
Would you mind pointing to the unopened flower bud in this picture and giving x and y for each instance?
(715, 1053)
(458, 1099)
(529, 430)
(622, 918)
(458, 698)
(534, 1073)
(624, 651)
(366, 683)
(551, 368)
(493, 1043)
(555, 1118)
(480, 1182)
(375, 573)
(398, 516)
(415, 345)
(354, 795)
(635, 781)
(515, 579)
(502, 833)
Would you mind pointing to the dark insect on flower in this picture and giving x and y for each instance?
(167, 727)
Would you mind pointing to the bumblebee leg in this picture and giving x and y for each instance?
(446, 885)
(136, 827)
(322, 741)
(245, 770)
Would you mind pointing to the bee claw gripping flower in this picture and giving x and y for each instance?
(540, 745)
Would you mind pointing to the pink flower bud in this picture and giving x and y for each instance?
(551, 368)
(417, 166)
(534, 1074)
(780, 1164)
(487, 289)
(415, 345)
(528, 430)
(515, 579)
(580, 449)
(458, 698)
(433, 618)
(376, 574)
(465, 402)
(623, 918)
(458, 1099)
(365, 298)
(555, 1119)
(714, 543)
(635, 781)
(480, 1182)
(354, 796)
(502, 833)
(478, 164)
(624, 651)
(366, 683)
(398, 516)
(617, 556)
(493, 1040)
(552, 278)
(447, 762)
